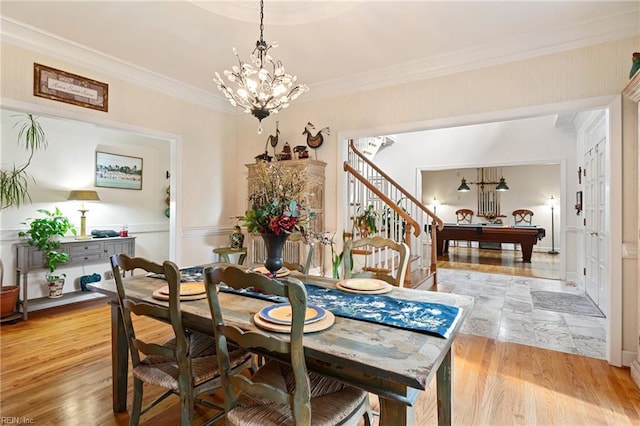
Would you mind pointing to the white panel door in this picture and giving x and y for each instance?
(595, 235)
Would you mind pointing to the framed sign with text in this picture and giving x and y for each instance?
(70, 88)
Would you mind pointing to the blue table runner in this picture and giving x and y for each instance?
(431, 318)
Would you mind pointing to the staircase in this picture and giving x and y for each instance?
(398, 215)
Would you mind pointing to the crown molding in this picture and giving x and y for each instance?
(35, 39)
(524, 46)
(517, 48)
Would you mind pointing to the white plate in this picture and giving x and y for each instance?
(363, 284)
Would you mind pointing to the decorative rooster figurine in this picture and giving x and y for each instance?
(273, 140)
(315, 141)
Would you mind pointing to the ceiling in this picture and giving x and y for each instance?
(335, 47)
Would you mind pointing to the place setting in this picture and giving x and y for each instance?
(188, 291)
(364, 286)
(278, 317)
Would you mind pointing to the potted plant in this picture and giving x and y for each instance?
(365, 222)
(45, 233)
(8, 296)
(14, 180)
(392, 221)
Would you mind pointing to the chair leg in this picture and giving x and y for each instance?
(186, 406)
(137, 402)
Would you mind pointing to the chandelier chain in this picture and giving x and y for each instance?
(261, 19)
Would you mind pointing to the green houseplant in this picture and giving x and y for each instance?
(44, 233)
(365, 222)
(14, 181)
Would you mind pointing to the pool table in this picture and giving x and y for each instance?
(526, 236)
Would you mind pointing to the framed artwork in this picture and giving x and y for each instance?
(118, 171)
(70, 88)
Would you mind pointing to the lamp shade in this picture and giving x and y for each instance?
(83, 195)
(502, 185)
(463, 186)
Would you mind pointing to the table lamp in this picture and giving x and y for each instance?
(83, 195)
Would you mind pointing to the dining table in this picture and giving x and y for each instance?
(394, 363)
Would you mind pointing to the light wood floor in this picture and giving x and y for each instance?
(56, 370)
(509, 262)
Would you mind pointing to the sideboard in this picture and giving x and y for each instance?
(80, 252)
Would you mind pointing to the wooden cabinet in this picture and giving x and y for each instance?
(295, 252)
(80, 252)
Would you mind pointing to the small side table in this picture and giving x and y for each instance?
(226, 253)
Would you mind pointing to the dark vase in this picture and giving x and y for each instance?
(274, 244)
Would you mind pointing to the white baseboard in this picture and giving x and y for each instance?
(629, 357)
(635, 372)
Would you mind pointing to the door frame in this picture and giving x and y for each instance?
(613, 107)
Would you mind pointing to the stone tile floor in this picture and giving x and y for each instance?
(504, 311)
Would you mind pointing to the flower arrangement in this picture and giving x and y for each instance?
(277, 197)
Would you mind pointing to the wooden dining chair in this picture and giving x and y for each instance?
(464, 216)
(281, 392)
(388, 254)
(522, 217)
(185, 365)
(309, 248)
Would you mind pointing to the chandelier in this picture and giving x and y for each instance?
(262, 88)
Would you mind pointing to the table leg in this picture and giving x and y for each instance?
(395, 413)
(119, 360)
(444, 390)
(527, 249)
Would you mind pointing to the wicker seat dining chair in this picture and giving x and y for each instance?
(185, 365)
(281, 392)
(389, 255)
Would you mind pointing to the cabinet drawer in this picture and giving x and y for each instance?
(84, 249)
(84, 257)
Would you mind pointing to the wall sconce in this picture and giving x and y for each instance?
(83, 195)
